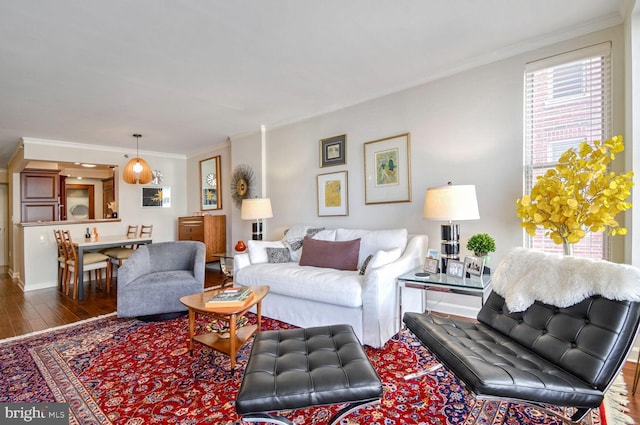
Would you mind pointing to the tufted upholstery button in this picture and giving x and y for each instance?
(574, 345)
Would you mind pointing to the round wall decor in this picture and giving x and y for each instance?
(242, 181)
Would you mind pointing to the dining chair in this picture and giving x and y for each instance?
(91, 261)
(121, 254)
(146, 230)
(62, 259)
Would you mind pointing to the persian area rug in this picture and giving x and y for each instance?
(124, 371)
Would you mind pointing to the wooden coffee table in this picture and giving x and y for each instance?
(237, 337)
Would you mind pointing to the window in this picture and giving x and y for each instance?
(567, 101)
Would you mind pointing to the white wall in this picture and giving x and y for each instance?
(246, 149)
(467, 129)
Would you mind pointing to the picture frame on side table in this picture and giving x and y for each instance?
(433, 253)
(430, 265)
(455, 268)
(474, 265)
(156, 197)
(210, 188)
(333, 151)
(387, 170)
(333, 194)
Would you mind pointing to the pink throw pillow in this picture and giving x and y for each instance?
(342, 255)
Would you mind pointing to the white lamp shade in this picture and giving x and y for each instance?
(255, 209)
(451, 203)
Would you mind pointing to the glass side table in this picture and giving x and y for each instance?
(477, 286)
(226, 266)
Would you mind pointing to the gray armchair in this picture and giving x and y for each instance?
(156, 276)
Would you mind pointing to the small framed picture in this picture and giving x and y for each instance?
(430, 265)
(433, 253)
(156, 197)
(474, 265)
(455, 268)
(333, 151)
(333, 198)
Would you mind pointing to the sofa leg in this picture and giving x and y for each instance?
(423, 372)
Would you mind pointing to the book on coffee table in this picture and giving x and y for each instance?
(234, 297)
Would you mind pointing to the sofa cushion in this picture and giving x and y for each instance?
(363, 267)
(325, 235)
(278, 255)
(381, 258)
(372, 241)
(294, 236)
(258, 250)
(337, 287)
(336, 255)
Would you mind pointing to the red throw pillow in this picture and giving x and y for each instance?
(341, 255)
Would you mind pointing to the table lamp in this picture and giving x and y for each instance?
(256, 209)
(450, 203)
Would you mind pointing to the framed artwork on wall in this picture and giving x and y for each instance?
(387, 170)
(333, 151)
(333, 197)
(211, 198)
(156, 197)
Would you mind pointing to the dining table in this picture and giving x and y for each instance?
(102, 242)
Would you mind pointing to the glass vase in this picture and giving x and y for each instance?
(567, 248)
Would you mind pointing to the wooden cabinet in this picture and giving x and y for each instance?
(40, 195)
(108, 196)
(210, 229)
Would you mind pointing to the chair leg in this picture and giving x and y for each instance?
(109, 277)
(75, 285)
(67, 279)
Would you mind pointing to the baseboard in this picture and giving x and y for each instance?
(44, 285)
(13, 274)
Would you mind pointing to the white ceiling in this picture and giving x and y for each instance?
(187, 74)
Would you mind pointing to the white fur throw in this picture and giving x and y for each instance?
(525, 276)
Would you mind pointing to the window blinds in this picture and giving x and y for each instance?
(567, 101)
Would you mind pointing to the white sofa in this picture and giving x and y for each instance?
(305, 295)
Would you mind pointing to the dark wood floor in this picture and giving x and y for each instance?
(24, 312)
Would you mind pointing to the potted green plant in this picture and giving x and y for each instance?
(481, 244)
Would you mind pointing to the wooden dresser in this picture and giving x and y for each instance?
(210, 229)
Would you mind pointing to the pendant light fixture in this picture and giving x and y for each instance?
(137, 170)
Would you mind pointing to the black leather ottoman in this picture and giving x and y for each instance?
(297, 368)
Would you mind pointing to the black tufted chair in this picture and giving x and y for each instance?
(543, 355)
